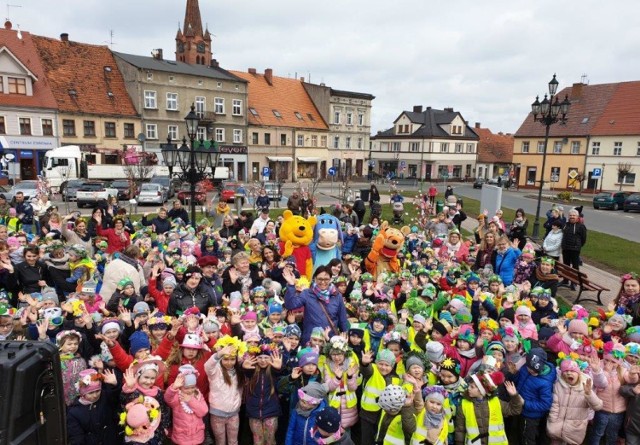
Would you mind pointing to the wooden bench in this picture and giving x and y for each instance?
(581, 280)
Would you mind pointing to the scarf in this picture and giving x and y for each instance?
(130, 261)
(432, 420)
(323, 295)
(326, 440)
(626, 301)
(471, 353)
(57, 263)
(304, 412)
(84, 402)
(540, 276)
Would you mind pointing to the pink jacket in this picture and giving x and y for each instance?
(612, 401)
(224, 400)
(349, 416)
(569, 414)
(188, 428)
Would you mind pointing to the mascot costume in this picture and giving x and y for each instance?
(327, 240)
(296, 233)
(384, 252)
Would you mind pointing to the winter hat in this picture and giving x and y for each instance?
(140, 308)
(488, 383)
(545, 333)
(614, 351)
(209, 326)
(528, 250)
(357, 329)
(523, 310)
(495, 346)
(191, 341)
(88, 381)
(275, 308)
(457, 303)
(446, 316)
(578, 326)
(126, 281)
(435, 351)
(292, 330)
(536, 359)
(615, 317)
(417, 318)
(250, 316)
(633, 334)
(466, 334)
(385, 355)
(414, 360)
(251, 336)
(109, 324)
(170, 280)
(509, 314)
(568, 365)
(441, 328)
(328, 420)
(49, 294)
(313, 393)
(67, 333)
(510, 333)
(452, 365)
(190, 375)
(392, 398)
(463, 316)
(317, 332)
(89, 287)
(307, 356)
(436, 392)
(137, 341)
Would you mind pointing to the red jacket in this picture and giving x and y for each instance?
(117, 243)
(159, 296)
(164, 349)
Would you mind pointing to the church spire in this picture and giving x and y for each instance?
(193, 46)
(192, 21)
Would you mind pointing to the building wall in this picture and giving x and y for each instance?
(352, 138)
(607, 159)
(100, 139)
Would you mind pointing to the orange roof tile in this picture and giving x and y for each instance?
(89, 70)
(286, 96)
(494, 148)
(25, 51)
(622, 114)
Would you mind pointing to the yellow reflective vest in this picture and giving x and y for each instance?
(373, 388)
(394, 435)
(420, 434)
(497, 436)
(335, 396)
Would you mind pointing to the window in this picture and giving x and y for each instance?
(253, 111)
(89, 128)
(172, 132)
(470, 148)
(219, 84)
(557, 147)
(149, 76)
(172, 79)
(218, 105)
(540, 146)
(395, 146)
(336, 117)
(525, 147)
(629, 179)
(17, 85)
(360, 119)
(349, 118)
(109, 129)
(267, 139)
(172, 101)
(129, 130)
(237, 136)
(336, 142)
(219, 134)
(311, 118)
(300, 140)
(575, 147)
(459, 148)
(314, 140)
(323, 141)
(347, 142)
(25, 125)
(150, 100)
(47, 127)
(298, 115)
(152, 131)
(360, 142)
(414, 146)
(69, 127)
(237, 107)
(200, 106)
(201, 133)
(277, 114)
(638, 150)
(595, 148)
(617, 148)
(3, 128)
(254, 138)
(1, 84)
(283, 139)
(444, 147)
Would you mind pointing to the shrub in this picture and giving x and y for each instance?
(564, 196)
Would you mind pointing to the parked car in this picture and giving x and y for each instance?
(169, 184)
(184, 194)
(610, 200)
(68, 189)
(503, 181)
(632, 202)
(478, 183)
(151, 193)
(274, 190)
(90, 193)
(126, 189)
(228, 193)
(28, 188)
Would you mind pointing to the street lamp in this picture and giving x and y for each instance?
(193, 160)
(547, 112)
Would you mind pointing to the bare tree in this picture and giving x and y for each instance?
(140, 171)
(624, 168)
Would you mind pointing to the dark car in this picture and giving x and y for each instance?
(477, 184)
(69, 188)
(632, 203)
(610, 200)
(126, 189)
(184, 194)
(166, 182)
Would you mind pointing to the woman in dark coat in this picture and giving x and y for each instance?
(374, 194)
(190, 293)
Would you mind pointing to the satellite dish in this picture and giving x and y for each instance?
(142, 137)
(9, 156)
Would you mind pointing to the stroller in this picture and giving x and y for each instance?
(376, 210)
(398, 212)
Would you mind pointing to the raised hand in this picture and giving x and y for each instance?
(178, 382)
(175, 327)
(110, 343)
(250, 363)
(110, 377)
(511, 388)
(289, 276)
(367, 357)
(124, 315)
(43, 325)
(130, 378)
(296, 372)
(596, 364)
(233, 274)
(227, 350)
(276, 359)
(588, 386)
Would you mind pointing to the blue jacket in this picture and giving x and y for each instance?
(537, 391)
(505, 264)
(349, 243)
(299, 431)
(314, 316)
(263, 401)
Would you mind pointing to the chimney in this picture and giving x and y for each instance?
(428, 108)
(252, 71)
(215, 63)
(576, 91)
(417, 108)
(8, 25)
(449, 109)
(268, 76)
(301, 79)
(64, 37)
(157, 54)
(477, 124)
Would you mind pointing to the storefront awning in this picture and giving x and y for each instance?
(308, 159)
(280, 158)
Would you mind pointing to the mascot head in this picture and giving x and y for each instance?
(327, 232)
(392, 239)
(297, 229)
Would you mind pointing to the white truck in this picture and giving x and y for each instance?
(66, 163)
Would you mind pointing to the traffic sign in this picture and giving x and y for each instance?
(573, 174)
(332, 171)
(596, 173)
(266, 171)
(403, 164)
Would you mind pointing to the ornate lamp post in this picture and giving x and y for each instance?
(547, 112)
(193, 161)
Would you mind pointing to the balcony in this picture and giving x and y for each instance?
(208, 117)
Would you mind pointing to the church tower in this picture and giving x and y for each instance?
(193, 46)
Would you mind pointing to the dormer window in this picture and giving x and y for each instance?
(17, 85)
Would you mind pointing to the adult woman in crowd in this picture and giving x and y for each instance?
(98, 214)
(30, 275)
(229, 228)
(190, 293)
(506, 258)
(518, 228)
(487, 251)
(125, 266)
(454, 248)
(240, 275)
(118, 238)
(79, 234)
(374, 194)
(270, 260)
(323, 304)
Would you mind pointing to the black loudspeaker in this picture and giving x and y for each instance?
(32, 409)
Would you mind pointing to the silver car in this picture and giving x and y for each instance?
(152, 194)
(28, 188)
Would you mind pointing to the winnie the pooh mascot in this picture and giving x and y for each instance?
(384, 252)
(296, 233)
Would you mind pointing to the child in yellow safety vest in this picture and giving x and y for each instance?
(339, 368)
(432, 425)
(480, 418)
(398, 422)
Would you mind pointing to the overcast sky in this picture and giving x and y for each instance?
(487, 59)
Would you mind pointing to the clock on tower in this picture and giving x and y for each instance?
(200, 47)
